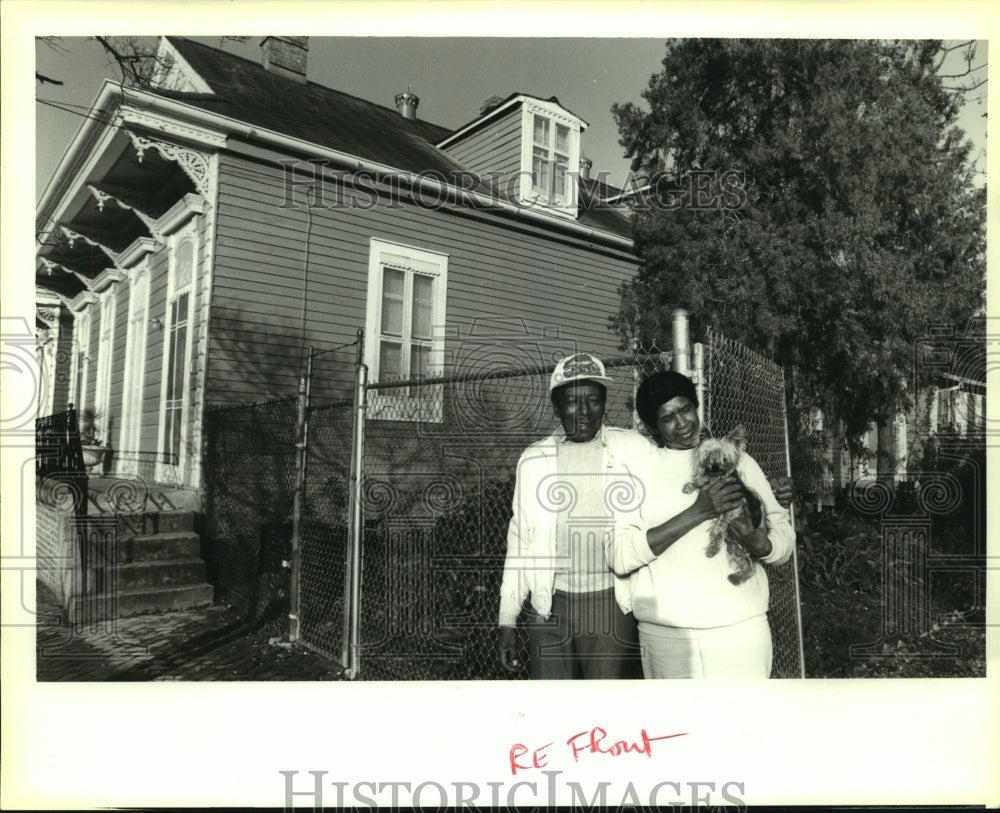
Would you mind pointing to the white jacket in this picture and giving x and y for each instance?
(531, 563)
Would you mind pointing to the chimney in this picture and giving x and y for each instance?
(406, 104)
(585, 165)
(285, 56)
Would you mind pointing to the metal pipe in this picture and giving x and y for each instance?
(681, 361)
(295, 562)
(353, 609)
(698, 374)
(636, 422)
(795, 558)
(305, 425)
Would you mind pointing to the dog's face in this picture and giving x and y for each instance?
(718, 456)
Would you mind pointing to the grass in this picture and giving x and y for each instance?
(852, 627)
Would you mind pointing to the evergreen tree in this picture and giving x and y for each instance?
(855, 225)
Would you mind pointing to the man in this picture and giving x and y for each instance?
(567, 486)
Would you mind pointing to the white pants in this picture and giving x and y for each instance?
(739, 651)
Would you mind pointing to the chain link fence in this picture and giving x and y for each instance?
(436, 488)
(249, 475)
(744, 388)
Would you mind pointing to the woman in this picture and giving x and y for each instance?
(693, 622)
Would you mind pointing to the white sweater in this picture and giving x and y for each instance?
(682, 587)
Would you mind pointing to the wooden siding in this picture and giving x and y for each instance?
(494, 148)
(507, 282)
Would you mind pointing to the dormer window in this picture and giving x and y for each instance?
(550, 160)
(550, 150)
(528, 147)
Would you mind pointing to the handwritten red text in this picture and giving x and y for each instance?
(596, 741)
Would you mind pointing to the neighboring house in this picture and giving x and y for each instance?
(955, 403)
(197, 236)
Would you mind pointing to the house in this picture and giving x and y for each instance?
(201, 233)
(949, 386)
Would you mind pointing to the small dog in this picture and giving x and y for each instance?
(716, 458)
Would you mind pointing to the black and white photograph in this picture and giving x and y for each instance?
(381, 369)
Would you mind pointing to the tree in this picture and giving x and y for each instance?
(856, 225)
(135, 59)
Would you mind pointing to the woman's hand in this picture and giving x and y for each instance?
(753, 539)
(718, 497)
(507, 649)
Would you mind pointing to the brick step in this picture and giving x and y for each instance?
(124, 494)
(157, 573)
(159, 548)
(125, 603)
(150, 523)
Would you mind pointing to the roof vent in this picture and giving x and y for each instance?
(406, 104)
(285, 56)
(489, 104)
(585, 165)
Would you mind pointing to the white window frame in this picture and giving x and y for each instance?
(543, 197)
(136, 332)
(402, 404)
(167, 471)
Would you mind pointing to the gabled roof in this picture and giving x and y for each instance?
(243, 90)
(499, 107)
(246, 91)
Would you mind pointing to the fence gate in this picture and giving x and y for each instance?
(322, 611)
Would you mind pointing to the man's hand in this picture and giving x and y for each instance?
(507, 649)
(783, 488)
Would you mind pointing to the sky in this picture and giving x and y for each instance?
(452, 77)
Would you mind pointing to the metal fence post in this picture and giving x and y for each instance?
(352, 584)
(636, 423)
(795, 554)
(698, 374)
(681, 361)
(297, 502)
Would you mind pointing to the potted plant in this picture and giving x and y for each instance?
(90, 437)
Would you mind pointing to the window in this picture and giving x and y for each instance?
(550, 160)
(407, 288)
(550, 156)
(81, 358)
(135, 369)
(177, 348)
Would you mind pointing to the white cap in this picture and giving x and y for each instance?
(578, 367)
